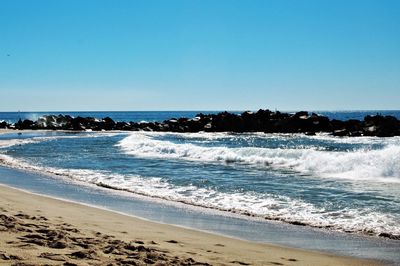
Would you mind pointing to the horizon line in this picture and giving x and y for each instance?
(198, 110)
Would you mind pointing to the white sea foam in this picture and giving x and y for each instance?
(265, 205)
(277, 136)
(364, 163)
(197, 135)
(12, 142)
(380, 165)
(356, 140)
(6, 143)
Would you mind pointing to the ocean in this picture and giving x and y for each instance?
(338, 184)
(153, 116)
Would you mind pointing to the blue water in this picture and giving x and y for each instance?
(135, 116)
(337, 184)
(152, 116)
(384, 250)
(346, 115)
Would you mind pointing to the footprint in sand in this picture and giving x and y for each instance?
(52, 256)
(240, 262)
(276, 263)
(288, 259)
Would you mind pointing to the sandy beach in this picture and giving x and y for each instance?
(38, 230)
(199, 133)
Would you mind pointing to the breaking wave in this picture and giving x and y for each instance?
(12, 142)
(371, 159)
(264, 205)
(381, 165)
(7, 143)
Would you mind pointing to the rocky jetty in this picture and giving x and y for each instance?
(261, 121)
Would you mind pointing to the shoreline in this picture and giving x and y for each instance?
(191, 206)
(278, 234)
(274, 233)
(187, 244)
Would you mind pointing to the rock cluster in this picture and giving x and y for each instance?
(261, 121)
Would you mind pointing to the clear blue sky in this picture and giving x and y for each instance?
(199, 55)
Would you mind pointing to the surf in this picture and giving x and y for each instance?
(363, 163)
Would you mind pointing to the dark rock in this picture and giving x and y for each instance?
(301, 115)
(320, 123)
(341, 132)
(260, 121)
(353, 125)
(225, 121)
(52, 121)
(26, 124)
(109, 124)
(4, 124)
(337, 124)
(81, 123)
(381, 126)
(123, 126)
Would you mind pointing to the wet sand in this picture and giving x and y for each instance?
(6, 131)
(38, 230)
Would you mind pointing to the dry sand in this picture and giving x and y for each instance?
(38, 230)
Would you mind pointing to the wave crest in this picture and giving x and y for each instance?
(362, 164)
(268, 206)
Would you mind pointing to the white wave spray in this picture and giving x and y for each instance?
(380, 165)
(263, 205)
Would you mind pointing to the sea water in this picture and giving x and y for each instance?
(336, 183)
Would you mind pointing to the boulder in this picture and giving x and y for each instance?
(381, 126)
(260, 121)
(109, 124)
(4, 124)
(301, 115)
(227, 122)
(53, 121)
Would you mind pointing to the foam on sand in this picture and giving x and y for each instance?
(268, 206)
